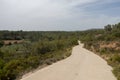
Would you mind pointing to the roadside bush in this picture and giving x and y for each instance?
(116, 58)
(116, 71)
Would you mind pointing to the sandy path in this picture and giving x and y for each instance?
(81, 65)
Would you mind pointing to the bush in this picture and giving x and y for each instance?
(116, 71)
(1, 43)
(116, 58)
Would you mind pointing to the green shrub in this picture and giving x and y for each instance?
(116, 71)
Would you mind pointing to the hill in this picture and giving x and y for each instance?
(106, 43)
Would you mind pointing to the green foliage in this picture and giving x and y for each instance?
(39, 48)
(1, 43)
(1, 63)
(108, 27)
(93, 39)
(116, 58)
(116, 71)
(44, 48)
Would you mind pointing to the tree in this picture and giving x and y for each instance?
(108, 28)
(1, 43)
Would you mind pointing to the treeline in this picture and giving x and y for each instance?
(106, 43)
(34, 35)
(38, 49)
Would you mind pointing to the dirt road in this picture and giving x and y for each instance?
(81, 65)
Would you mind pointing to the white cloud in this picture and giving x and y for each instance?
(49, 15)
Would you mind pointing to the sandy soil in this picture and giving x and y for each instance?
(81, 65)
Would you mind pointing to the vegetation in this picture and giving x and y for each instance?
(27, 50)
(106, 43)
(37, 49)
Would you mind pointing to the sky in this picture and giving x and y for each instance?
(58, 15)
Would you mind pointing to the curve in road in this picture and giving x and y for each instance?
(81, 65)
